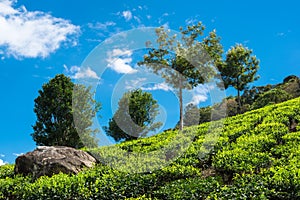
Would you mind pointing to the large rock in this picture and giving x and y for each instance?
(49, 160)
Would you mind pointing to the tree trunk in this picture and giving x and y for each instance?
(181, 106)
(239, 103)
(238, 96)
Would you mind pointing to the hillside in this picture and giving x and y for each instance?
(253, 98)
(255, 155)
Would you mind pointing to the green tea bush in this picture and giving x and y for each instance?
(255, 155)
(6, 171)
(196, 188)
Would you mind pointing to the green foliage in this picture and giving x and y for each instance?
(135, 116)
(184, 61)
(255, 155)
(193, 188)
(205, 114)
(55, 113)
(250, 95)
(291, 84)
(244, 187)
(6, 171)
(254, 98)
(191, 115)
(240, 69)
(271, 97)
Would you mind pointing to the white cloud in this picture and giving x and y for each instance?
(32, 33)
(163, 18)
(245, 42)
(6, 7)
(200, 94)
(120, 52)
(86, 73)
(190, 21)
(195, 19)
(166, 25)
(2, 162)
(119, 60)
(158, 86)
(101, 26)
(18, 154)
(120, 65)
(283, 34)
(127, 15)
(129, 85)
(165, 14)
(137, 19)
(76, 72)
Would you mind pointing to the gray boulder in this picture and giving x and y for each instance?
(49, 160)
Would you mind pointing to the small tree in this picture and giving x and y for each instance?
(205, 114)
(271, 97)
(191, 115)
(239, 70)
(291, 85)
(53, 107)
(134, 117)
(250, 95)
(184, 63)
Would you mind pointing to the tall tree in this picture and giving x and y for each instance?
(239, 70)
(273, 96)
(134, 117)
(183, 63)
(55, 125)
(191, 115)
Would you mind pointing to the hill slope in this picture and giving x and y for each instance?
(255, 155)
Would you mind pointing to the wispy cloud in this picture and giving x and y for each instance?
(119, 60)
(137, 19)
(127, 14)
(283, 34)
(196, 19)
(161, 19)
(32, 33)
(132, 84)
(190, 21)
(76, 72)
(101, 26)
(18, 154)
(200, 94)
(213, 20)
(245, 42)
(86, 73)
(158, 86)
(135, 16)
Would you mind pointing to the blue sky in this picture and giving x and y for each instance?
(39, 39)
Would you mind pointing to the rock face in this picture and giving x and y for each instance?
(49, 160)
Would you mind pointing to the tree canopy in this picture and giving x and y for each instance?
(239, 70)
(54, 108)
(273, 96)
(184, 63)
(134, 117)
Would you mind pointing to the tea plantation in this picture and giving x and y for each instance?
(255, 155)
